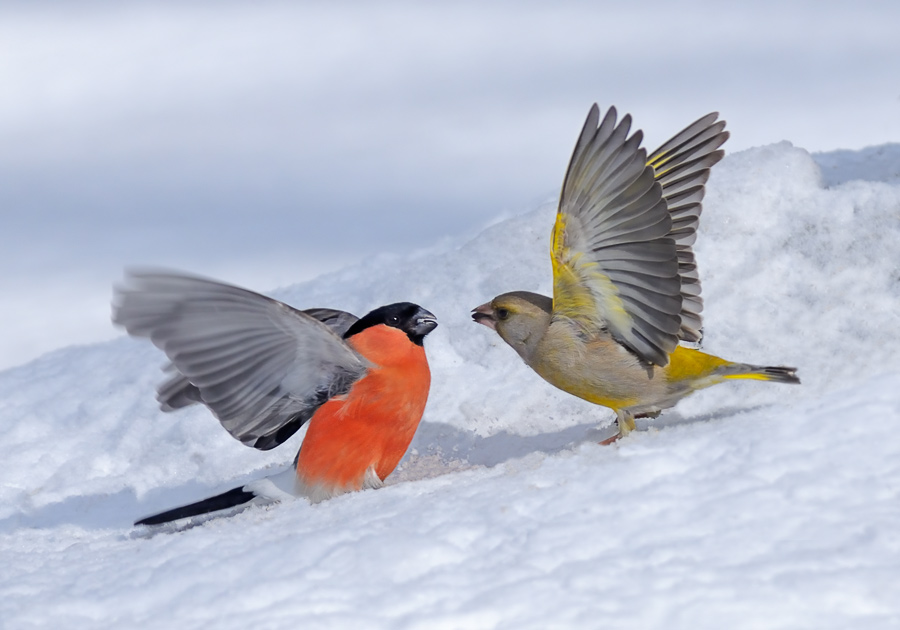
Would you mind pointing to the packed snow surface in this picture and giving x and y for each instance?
(749, 505)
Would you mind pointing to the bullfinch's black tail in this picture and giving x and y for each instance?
(232, 498)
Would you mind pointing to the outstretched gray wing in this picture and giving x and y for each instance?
(682, 166)
(261, 366)
(622, 257)
(177, 391)
(615, 266)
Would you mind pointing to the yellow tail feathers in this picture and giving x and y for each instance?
(687, 364)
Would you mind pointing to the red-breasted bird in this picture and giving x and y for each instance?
(264, 369)
(626, 291)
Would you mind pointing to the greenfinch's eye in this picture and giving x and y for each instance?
(502, 313)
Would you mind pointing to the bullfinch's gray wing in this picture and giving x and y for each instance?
(261, 366)
(177, 391)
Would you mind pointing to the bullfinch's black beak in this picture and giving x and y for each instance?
(424, 323)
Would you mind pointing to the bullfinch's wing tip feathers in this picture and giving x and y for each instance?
(615, 266)
(261, 367)
(178, 392)
(682, 166)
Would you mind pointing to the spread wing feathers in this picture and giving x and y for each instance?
(261, 367)
(682, 167)
(615, 264)
(178, 391)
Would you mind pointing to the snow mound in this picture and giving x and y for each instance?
(748, 505)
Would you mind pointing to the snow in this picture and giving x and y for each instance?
(748, 505)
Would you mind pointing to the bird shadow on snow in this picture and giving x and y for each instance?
(96, 511)
(442, 449)
(116, 510)
(439, 449)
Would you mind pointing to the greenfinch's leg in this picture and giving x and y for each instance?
(625, 422)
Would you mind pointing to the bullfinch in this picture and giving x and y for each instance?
(264, 369)
(626, 292)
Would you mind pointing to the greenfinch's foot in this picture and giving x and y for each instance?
(615, 437)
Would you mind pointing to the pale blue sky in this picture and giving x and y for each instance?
(266, 142)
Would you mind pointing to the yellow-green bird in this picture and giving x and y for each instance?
(626, 291)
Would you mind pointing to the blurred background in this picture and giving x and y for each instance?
(266, 143)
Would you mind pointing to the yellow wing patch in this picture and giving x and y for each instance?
(581, 291)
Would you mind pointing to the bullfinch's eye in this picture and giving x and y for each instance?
(502, 313)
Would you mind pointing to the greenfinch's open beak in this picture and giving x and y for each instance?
(484, 315)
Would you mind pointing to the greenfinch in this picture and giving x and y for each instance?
(626, 292)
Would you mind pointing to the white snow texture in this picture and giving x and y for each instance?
(749, 505)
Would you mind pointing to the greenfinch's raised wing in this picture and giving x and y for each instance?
(682, 167)
(262, 367)
(615, 267)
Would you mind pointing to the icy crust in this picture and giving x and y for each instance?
(748, 505)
